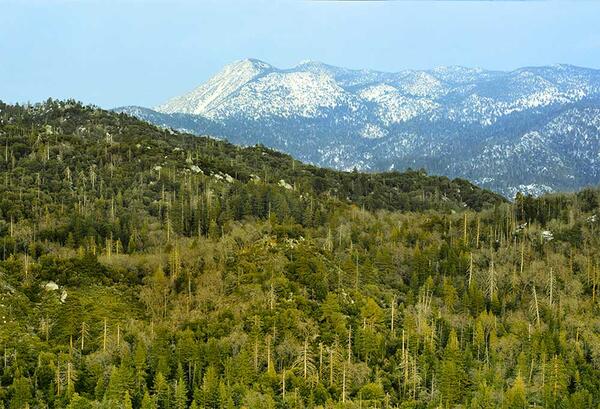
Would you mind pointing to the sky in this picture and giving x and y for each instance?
(132, 52)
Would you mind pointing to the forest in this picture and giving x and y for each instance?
(147, 268)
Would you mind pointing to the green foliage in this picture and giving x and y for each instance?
(128, 278)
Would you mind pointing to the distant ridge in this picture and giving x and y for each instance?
(533, 129)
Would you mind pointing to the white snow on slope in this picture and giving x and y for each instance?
(286, 94)
(254, 89)
(216, 90)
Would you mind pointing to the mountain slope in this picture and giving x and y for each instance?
(456, 121)
(217, 90)
(146, 268)
(150, 149)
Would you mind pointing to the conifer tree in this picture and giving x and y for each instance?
(516, 397)
(180, 394)
(162, 392)
(127, 401)
(147, 401)
(452, 376)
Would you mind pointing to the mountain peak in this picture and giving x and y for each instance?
(252, 63)
(316, 67)
(456, 68)
(309, 62)
(210, 94)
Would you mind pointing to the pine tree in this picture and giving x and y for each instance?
(210, 389)
(116, 388)
(79, 402)
(127, 401)
(147, 401)
(516, 397)
(162, 392)
(140, 366)
(452, 375)
(483, 398)
(180, 394)
(21, 392)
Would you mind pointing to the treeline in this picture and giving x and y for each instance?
(142, 268)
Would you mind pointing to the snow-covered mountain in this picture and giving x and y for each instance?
(534, 129)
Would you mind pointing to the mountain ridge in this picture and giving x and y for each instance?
(439, 119)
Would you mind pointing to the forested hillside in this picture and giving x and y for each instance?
(144, 268)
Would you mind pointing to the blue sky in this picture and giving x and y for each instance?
(113, 53)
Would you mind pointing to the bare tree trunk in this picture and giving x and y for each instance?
(104, 336)
(283, 383)
(269, 354)
(305, 357)
(320, 361)
(477, 236)
(349, 345)
(83, 333)
(551, 287)
(330, 366)
(344, 384)
(537, 308)
(470, 269)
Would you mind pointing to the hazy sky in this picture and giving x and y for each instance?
(113, 53)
